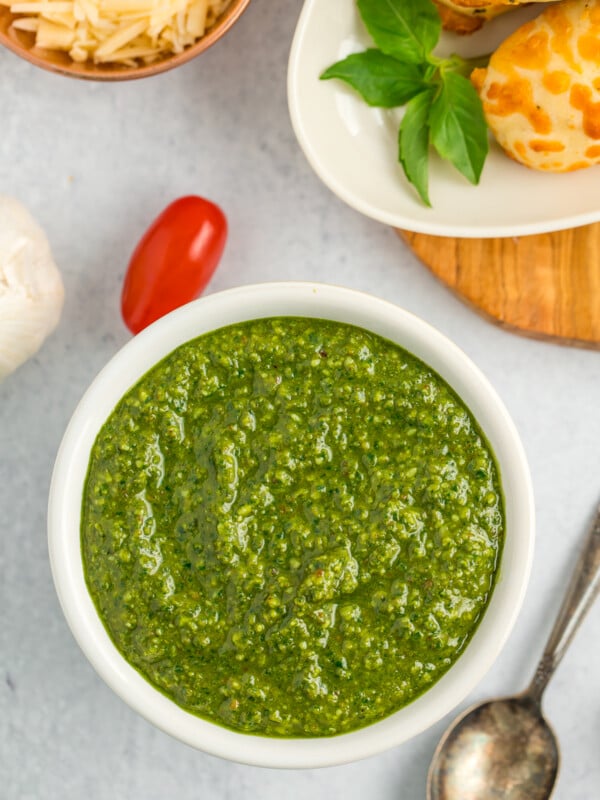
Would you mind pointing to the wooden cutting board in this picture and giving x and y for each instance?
(546, 286)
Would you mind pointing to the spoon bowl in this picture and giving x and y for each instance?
(502, 749)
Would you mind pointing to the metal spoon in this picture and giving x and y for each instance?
(504, 749)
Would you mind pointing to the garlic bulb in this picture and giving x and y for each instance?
(31, 289)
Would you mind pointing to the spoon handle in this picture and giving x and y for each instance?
(581, 593)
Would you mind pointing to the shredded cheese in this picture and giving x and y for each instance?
(116, 31)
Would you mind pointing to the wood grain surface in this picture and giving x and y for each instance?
(546, 286)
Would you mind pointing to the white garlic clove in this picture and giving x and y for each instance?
(31, 288)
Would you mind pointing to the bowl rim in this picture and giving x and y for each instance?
(229, 17)
(257, 301)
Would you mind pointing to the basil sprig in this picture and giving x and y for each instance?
(443, 110)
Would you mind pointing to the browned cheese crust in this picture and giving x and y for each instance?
(467, 16)
(456, 22)
(473, 4)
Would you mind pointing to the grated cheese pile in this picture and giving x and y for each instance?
(116, 31)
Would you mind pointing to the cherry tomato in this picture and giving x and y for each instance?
(173, 261)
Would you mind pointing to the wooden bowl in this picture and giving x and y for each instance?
(23, 44)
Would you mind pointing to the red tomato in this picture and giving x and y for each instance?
(173, 261)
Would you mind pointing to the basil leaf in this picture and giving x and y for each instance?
(405, 29)
(381, 80)
(413, 143)
(458, 127)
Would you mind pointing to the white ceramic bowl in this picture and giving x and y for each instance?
(310, 300)
(353, 148)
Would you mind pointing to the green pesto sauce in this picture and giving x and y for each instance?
(291, 527)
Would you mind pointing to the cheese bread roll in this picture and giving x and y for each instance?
(476, 5)
(541, 90)
(466, 19)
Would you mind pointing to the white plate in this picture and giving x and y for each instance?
(353, 148)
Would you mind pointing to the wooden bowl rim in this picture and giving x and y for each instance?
(99, 73)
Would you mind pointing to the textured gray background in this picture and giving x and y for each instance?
(95, 163)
